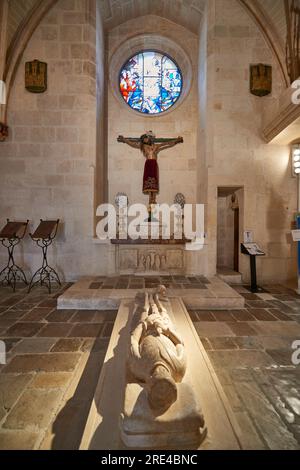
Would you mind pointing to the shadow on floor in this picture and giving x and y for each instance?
(69, 425)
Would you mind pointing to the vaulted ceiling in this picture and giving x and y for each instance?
(270, 14)
(275, 12)
(18, 10)
(188, 13)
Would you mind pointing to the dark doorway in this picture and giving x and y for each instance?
(228, 230)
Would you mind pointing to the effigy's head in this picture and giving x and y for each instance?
(162, 290)
(147, 139)
(162, 391)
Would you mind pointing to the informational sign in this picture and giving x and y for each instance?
(248, 236)
(253, 249)
(296, 235)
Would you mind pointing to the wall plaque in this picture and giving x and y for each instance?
(36, 76)
(260, 79)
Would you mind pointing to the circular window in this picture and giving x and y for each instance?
(150, 82)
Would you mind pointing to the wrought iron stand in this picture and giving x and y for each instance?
(10, 237)
(43, 237)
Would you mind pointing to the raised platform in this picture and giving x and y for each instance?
(197, 292)
(102, 430)
(229, 276)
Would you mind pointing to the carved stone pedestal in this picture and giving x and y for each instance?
(181, 426)
(150, 259)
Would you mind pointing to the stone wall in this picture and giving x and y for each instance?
(240, 157)
(47, 165)
(50, 165)
(177, 165)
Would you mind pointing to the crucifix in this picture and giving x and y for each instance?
(150, 148)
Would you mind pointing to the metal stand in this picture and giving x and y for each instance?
(43, 237)
(254, 287)
(10, 239)
(247, 249)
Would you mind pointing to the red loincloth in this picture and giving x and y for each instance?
(151, 177)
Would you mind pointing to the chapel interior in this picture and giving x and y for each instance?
(185, 102)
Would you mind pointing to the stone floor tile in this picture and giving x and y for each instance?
(233, 398)
(17, 440)
(275, 342)
(223, 343)
(241, 375)
(250, 439)
(193, 315)
(257, 304)
(282, 357)
(37, 314)
(34, 410)
(67, 345)
(248, 296)
(242, 315)
(55, 330)
(248, 342)
(223, 315)
(86, 330)
(48, 303)
(83, 316)
(34, 345)
(10, 343)
(60, 316)
(205, 315)
(15, 315)
(51, 380)
(102, 316)
(213, 329)
(205, 342)
(279, 315)
(282, 306)
(265, 296)
(280, 329)
(9, 301)
(242, 329)
(11, 387)
(6, 323)
(95, 285)
(95, 345)
(107, 330)
(239, 358)
(262, 314)
(22, 329)
(275, 433)
(51, 362)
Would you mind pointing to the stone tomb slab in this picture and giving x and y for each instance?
(102, 430)
(216, 295)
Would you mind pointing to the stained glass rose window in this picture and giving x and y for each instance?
(150, 82)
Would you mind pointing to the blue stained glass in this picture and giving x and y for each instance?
(150, 82)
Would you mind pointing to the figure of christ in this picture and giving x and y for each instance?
(150, 148)
(157, 354)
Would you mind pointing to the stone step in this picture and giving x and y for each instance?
(229, 276)
(216, 295)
